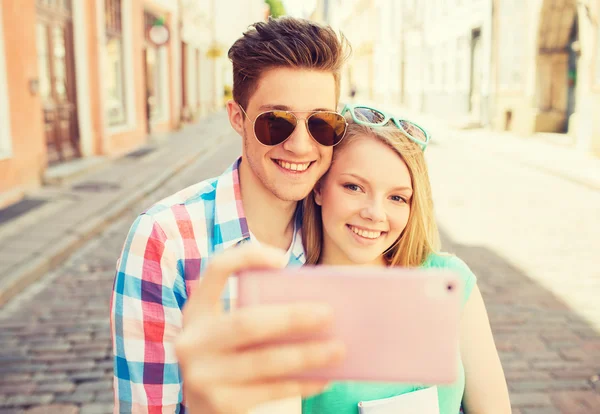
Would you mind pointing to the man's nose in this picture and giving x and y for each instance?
(300, 142)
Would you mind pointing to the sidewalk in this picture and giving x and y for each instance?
(536, 151)
(64, 217)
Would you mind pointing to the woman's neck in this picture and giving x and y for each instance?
(335, 257)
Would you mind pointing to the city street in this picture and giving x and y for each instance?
(531, 237)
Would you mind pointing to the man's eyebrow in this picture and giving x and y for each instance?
(268, 107)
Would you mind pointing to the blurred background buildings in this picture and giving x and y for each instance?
(87, 78)
(82, 81)
(107, 106)
(523, 66)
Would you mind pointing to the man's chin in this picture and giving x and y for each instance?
(290, 194)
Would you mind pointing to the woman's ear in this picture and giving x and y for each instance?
(317, 193)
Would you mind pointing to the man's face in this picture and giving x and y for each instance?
(291, 169)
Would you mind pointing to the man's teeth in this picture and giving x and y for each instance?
(293, 166)
(365, 233)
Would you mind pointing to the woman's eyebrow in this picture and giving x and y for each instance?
(358, 177)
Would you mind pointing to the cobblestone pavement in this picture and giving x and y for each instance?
(528, 236)
(55, 351)
(532, 239)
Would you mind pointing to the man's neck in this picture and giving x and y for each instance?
(269, 218)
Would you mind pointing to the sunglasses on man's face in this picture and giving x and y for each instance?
(275, 127)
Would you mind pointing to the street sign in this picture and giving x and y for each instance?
(159, 34)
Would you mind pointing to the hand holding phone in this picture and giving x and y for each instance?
(220, 372)
(398, 325)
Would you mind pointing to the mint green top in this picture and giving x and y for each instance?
(343, 397)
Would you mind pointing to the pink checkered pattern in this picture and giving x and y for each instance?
(166, 250)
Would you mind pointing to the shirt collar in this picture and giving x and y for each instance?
(231, 226)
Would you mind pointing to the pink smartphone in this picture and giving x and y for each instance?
(399, 325)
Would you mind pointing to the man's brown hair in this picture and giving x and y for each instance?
(289, 43)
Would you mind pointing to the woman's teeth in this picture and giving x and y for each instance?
(365, 233)
(293, 166)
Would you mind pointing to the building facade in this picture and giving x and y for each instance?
(98, 78)
(447, 54)
(372, 30)
(547, 69)
(523, 66)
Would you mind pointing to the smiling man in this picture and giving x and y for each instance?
(286, 89)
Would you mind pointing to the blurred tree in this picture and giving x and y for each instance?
(276, 7)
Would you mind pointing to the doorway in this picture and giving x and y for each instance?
(154, 69)
(55, 57)
(476, 74)
(572, 64)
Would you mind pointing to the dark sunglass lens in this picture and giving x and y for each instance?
(414, 131)
(274, 127)
(369, 115)
(327, 128)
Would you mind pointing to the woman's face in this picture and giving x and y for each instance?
(365, 203)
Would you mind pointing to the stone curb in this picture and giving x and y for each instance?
(25, 274)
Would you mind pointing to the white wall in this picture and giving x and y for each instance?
(440, 54)
(191, 71)
(129, 76)
(84, 110)
(5, 134)
(206, 22)
(386, 53)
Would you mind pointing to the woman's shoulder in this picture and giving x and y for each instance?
(446, 261)
(455, 264)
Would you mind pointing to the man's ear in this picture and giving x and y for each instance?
(317, 192)
(236, 117)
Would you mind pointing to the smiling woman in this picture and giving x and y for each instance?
(377, 186)
(374, 208)
(362, 209)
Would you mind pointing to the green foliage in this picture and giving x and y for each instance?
(277, 8)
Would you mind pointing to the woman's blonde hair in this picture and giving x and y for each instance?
(420, 237)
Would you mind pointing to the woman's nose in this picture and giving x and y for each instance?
(373, 211)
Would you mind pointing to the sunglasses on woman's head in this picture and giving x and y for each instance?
(365, 115)
(276, 126)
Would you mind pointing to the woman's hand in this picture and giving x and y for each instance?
(221, 373)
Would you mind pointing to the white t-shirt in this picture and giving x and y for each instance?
(291, 405)
(232, 282)
(288, 253)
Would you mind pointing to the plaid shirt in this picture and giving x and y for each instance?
(167, 248)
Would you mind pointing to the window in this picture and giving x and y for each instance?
(459, 66)
(598, 57)
(114, 67)
(5, 134)
(431, 73)
(156, 75)
(444, 67)
(154, 72)
(55, 5)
